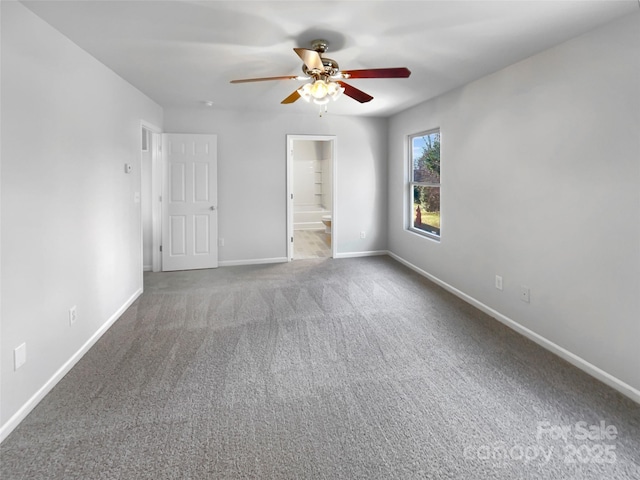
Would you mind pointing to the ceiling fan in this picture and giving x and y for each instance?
(326, 78)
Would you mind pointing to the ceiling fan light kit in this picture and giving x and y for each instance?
(325, 78)
(320, 91)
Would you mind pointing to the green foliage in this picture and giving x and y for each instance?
(427, 218)
(431, 199)
(430, 158)
(427, 169)
(427, 165)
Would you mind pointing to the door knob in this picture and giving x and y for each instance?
(212, 207)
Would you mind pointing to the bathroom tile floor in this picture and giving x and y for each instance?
(310, 244)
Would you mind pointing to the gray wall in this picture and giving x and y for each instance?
(252, 177)
(71, 231)
(540, 184)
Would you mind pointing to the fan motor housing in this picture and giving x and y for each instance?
(320, 45)
(331, 68)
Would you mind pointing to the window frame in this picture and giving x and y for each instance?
(411, 183)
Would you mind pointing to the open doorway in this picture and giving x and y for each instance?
(311, 204)
(150, 196)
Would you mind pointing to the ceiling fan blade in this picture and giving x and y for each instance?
(291, 98)
(246, 80)
(356, 94)
(377, 73)
(311, 58)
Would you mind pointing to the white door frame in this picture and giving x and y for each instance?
(156, 193)
(334, 189)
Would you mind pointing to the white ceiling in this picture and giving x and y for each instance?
(181, 53)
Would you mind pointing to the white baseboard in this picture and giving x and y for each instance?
(21, 414)
(581, 363)
(254, 261)
(370, 253)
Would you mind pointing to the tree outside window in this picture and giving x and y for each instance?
(424, 183)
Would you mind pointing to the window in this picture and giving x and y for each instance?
(424, 183)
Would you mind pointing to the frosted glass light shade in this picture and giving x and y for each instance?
(320, 91)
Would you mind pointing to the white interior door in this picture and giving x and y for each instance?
(190, 202)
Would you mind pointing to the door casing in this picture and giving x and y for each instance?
(156, 192)
(334, 213)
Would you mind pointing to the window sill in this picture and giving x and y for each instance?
(423, 234)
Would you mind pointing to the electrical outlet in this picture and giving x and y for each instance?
(525, 294)
(73, 315)
(363, 234)
(19, 356)
(221, 242)
(498, 282)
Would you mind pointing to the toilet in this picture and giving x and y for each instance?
(326, 219)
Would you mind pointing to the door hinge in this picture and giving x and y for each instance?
(292, 196)
(160, 247)
(291, 239)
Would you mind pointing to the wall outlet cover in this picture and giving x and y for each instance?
(525, 294)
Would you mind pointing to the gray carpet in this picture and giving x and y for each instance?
(319, 369)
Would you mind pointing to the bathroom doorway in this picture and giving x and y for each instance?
(311, 196)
